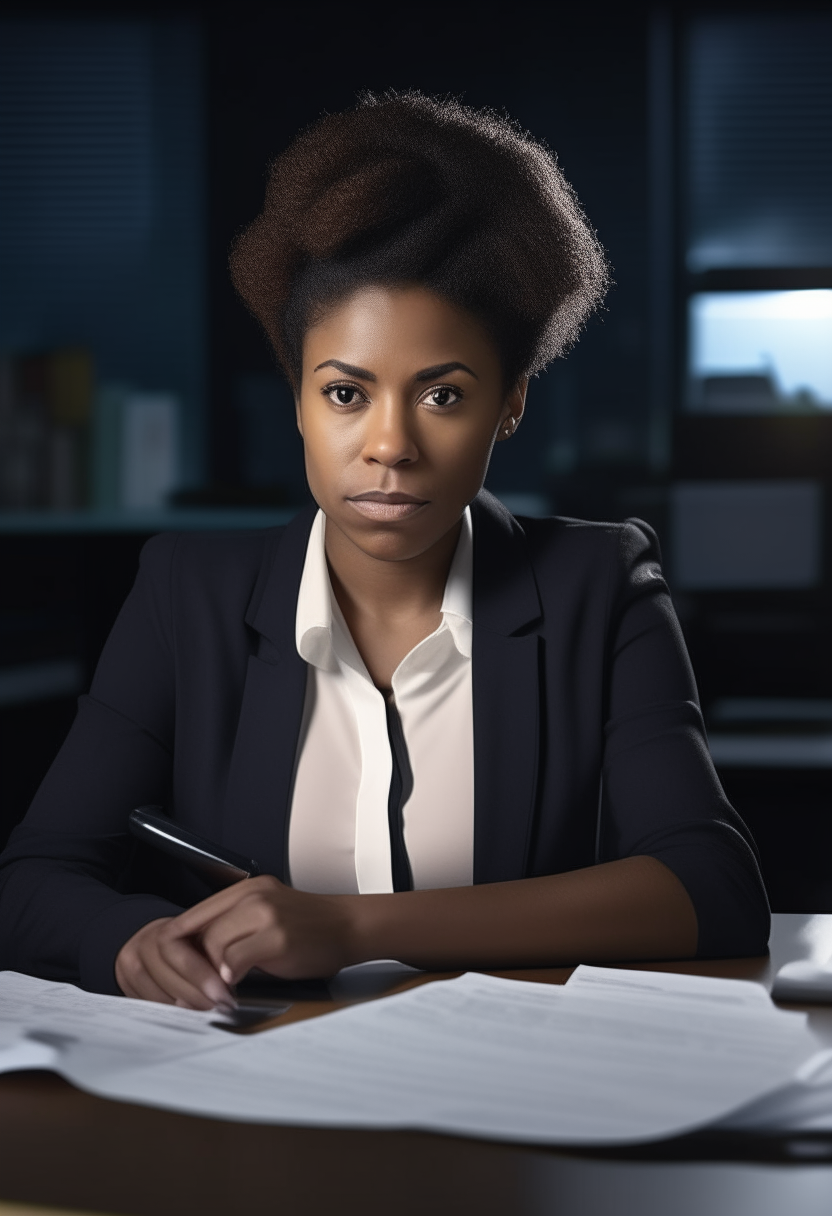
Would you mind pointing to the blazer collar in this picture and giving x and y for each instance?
(274, 603)
(506, 688)
(506, 598)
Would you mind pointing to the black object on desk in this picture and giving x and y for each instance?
(218, 866)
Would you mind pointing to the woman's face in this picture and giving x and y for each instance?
(401, 401)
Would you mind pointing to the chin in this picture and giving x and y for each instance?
(391, 543)
(386, 548)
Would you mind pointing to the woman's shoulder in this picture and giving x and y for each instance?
(227, 565)
(597, 539)
(616, 558)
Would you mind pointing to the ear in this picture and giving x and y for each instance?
(298, 421)
(513, 409)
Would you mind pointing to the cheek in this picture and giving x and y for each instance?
(467, 455)
(328, 448)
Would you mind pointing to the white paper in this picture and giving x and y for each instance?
(802, 1105)
(28, 1053)
(594, 1063)
(493, 1058)
(614, 982)
(90, 1034)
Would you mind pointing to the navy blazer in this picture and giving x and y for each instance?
(579, 671)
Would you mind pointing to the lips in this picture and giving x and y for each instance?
(375, 504)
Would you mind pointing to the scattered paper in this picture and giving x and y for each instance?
(613, 1057)
(802, 1105)
(493, 1058)
(613, 981)
(89, 1034)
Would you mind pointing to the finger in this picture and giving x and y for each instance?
(268, 951)
(194, 920)
(148, 990)
(184, 973)
(250, 917)
(134, 980)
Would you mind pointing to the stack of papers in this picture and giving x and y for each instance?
(614, 1057)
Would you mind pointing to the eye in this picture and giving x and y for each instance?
(343, 394)
(443, 396)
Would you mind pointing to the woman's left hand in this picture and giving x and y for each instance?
(260, 922)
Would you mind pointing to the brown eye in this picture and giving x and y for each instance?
(443, 396)
(343, 394)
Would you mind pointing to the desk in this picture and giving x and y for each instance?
(65, 1148)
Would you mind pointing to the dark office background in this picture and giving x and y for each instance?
(132, 265)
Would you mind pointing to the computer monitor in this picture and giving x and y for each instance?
(760, 352)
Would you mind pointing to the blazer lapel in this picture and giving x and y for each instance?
(506, 694)
(256, 805)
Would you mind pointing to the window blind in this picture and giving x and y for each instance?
(758, 141)
(102, 200)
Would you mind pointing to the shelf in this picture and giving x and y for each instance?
(181, 519)
(771, 751)
(28, 682)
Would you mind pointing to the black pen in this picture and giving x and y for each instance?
(218, 866)
(221, 868)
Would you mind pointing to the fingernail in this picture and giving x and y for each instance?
(216, 992)
(226, 973)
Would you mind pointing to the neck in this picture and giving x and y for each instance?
(388, 590)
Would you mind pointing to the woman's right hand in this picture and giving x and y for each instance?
(157, 965)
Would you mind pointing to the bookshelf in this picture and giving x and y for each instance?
(115, 520)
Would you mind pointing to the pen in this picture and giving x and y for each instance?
(218, 866)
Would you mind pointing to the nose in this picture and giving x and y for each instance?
(389, 439)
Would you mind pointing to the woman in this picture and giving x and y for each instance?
(447, 736)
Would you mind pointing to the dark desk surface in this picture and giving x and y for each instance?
(61, 1147)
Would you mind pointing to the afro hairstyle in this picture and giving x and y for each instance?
(406, 189)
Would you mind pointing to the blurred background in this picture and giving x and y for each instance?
(137, 395)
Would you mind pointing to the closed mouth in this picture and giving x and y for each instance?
(393, 498)
(375, 504)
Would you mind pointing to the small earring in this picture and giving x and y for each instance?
(510, 426)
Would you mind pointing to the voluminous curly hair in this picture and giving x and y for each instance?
(407, 189)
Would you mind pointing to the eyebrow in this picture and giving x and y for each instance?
(442, 369)
(349, 369)
(427, 373)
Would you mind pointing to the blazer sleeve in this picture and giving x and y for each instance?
(62, 915)
(661, 794)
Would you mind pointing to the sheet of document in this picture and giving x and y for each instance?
(83, 1034)
(669, 985)
(614, 1057)
(493, 1058)
(802, 1105)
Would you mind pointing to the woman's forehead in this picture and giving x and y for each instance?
(396, 326)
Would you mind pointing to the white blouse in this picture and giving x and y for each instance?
(339, 836)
